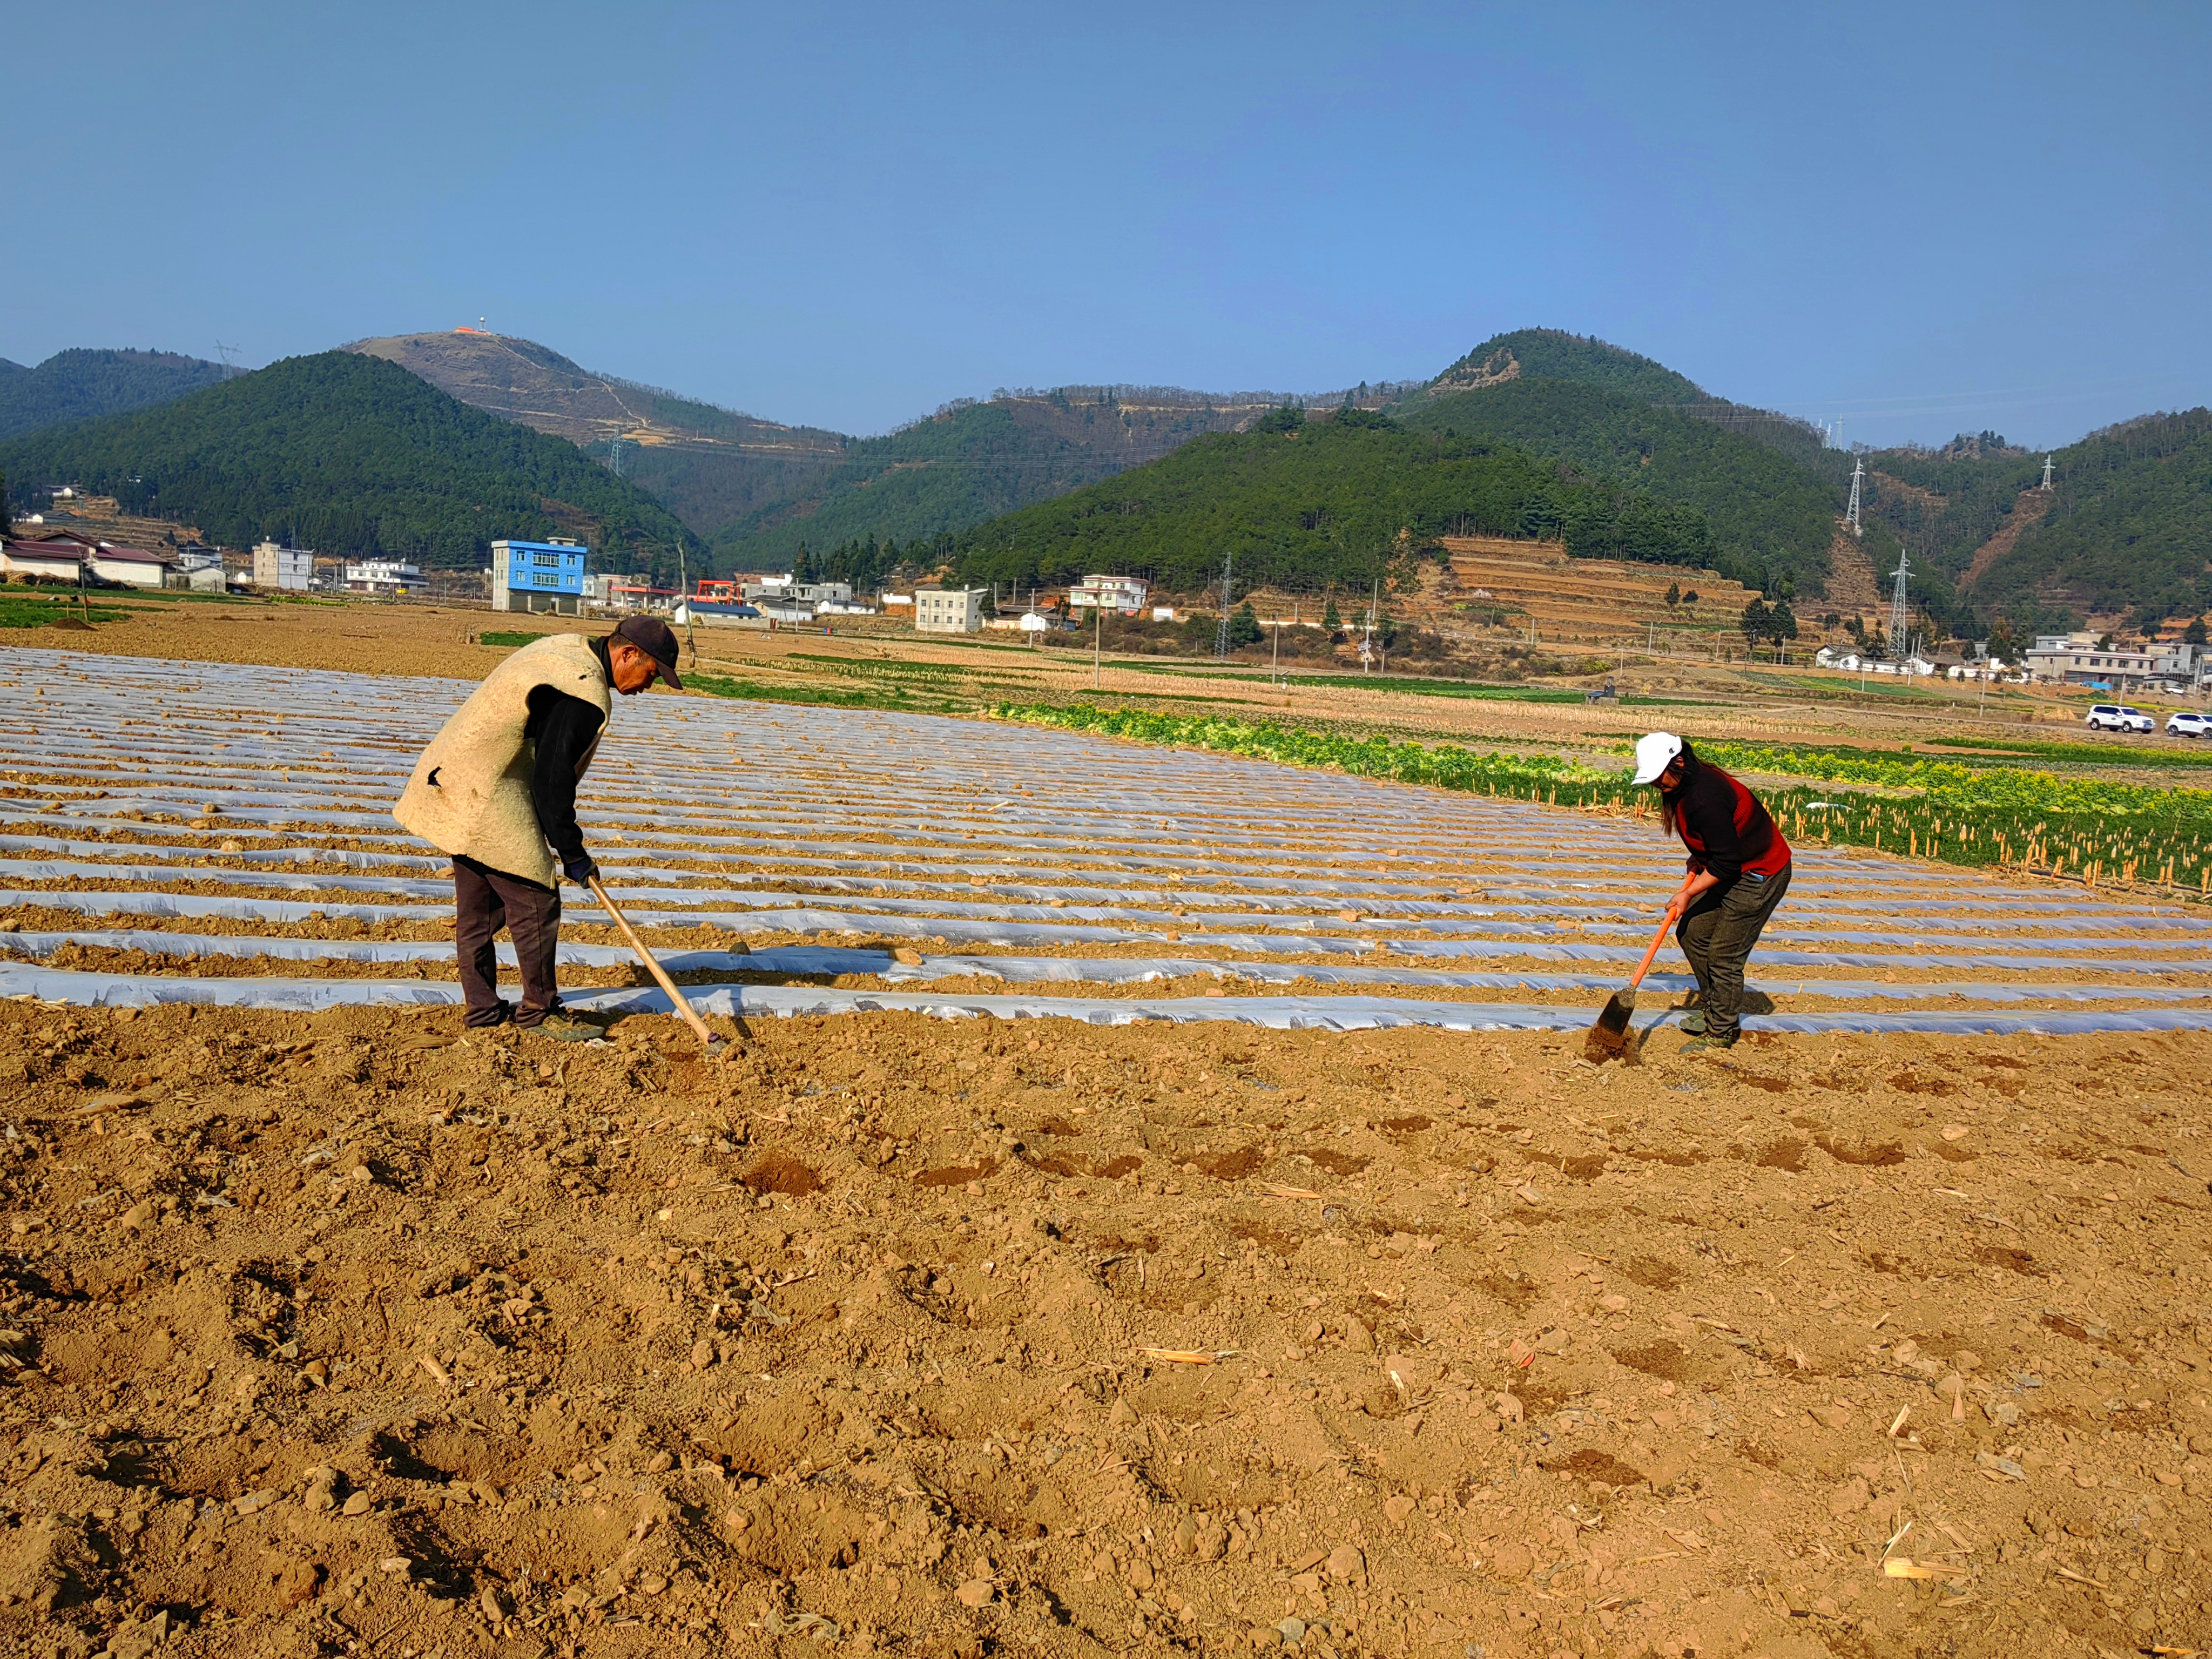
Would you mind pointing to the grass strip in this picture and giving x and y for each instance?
(897, 698)
(38, 613)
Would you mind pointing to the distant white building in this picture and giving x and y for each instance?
(288, 570)
(781, 590)
(132, 566)
(2074, 660)
(52, 561)
(1123, 593)
(950, 609)
(382, 576)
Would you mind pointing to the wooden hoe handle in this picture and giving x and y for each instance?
(675, 995)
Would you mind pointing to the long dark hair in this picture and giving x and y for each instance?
(1690, 764)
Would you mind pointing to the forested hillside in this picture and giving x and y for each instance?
(81, 384)
(1551, 354)
(2125, 528)
(971, 461)
(1770, 518)
(759, 490)
(707, 464)
(1314, 504)
(349, 454)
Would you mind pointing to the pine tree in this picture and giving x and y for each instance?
(1330, 618)
(1674, 594)
(1754, 622)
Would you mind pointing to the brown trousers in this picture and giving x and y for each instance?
(484, 900)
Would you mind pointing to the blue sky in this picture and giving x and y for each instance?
(1919, 219)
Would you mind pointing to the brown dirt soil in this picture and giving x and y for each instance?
(350, 1334)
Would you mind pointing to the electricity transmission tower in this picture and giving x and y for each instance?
(1221, 633)
(1851, 513)
(1897, 607)
(614, 454)
(229, 356)
(2046, 471)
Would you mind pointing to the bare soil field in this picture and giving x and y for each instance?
(395, 1340)
(350, 1333)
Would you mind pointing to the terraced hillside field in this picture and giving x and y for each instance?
(1582, 601)
(1157, 1204)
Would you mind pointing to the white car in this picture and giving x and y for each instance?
(2187, 725)
(2118, 717)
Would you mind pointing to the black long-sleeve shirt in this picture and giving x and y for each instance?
(1724, 827)
(563, 729)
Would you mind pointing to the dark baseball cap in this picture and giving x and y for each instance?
(656, 639)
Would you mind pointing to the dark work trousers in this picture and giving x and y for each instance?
(484, 900)
(1717, 933)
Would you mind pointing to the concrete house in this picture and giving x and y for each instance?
(950, 609)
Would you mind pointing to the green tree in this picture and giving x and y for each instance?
(802, 565)
(1333, 621)
(1781, 623)
(1244, 627)
(1754, 622)
(1690, 597)
(2193, 633)
(1674, 594)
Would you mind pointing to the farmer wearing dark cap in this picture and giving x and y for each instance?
(1737, 872)
(497, 789)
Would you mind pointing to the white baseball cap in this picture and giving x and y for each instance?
(1654, 754)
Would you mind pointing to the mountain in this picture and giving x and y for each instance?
(2122, 532)
(81, 384)
(1311, 504)
(760, 490)
(1551, 354)
(709, 465)
(972, 460)
(349, 454)
(1770, 502)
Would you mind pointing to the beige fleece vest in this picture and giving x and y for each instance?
(470, 793)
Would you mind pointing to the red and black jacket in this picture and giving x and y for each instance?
(1728, 832)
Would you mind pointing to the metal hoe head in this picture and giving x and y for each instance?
(1611, 1038)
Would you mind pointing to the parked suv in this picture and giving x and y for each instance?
(2117, 717)
(2187, 725)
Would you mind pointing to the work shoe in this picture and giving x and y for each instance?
(1703, 1044)
(1693, 1022)
(566, 1028)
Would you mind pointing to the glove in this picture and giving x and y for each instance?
(581, 869)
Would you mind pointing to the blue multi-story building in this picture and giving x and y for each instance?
(537, 576)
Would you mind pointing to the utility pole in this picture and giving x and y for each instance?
(1098, 633)
(684, 587)
(1897, 614)
(1221, 632)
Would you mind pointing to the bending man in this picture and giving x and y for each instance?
(497, 789)
(1738, 869)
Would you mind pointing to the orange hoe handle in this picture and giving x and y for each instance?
(1649, 951)
(675, 995)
